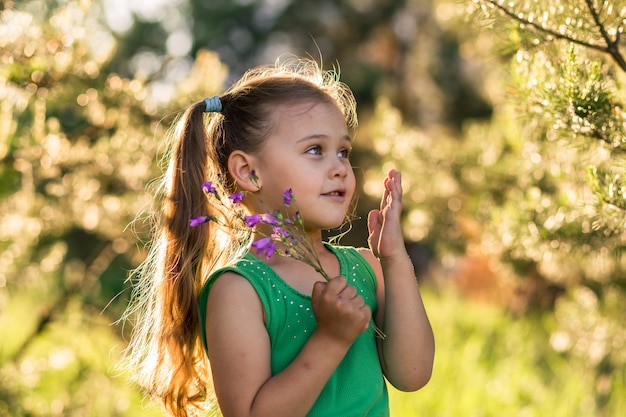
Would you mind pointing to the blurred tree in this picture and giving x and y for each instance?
(77, 149)
(560, 213)
(576, 47)
(567, 69)
(370, 40)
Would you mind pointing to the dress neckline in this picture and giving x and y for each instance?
(269, 270)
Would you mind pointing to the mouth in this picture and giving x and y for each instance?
(336, 193)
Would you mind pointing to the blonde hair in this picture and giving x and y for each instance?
(165, 354)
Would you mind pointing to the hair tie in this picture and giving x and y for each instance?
(213, 104)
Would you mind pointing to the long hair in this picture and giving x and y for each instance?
(165, 354)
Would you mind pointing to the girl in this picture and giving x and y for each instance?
(281, 340)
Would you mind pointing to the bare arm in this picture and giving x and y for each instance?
(240, 350)
(407, 354)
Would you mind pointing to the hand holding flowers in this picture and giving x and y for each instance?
(338, 310)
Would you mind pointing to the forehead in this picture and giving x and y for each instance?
(309, 117)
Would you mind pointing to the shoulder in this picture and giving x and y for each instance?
(234, 282)
(236, 276)
(231, 286)
(231, 293)
(229, 281)
(230, 300)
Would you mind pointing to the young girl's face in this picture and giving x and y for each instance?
(308, 151)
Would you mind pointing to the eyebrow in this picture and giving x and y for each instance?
(323, 136)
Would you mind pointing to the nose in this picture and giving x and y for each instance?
(340, 167)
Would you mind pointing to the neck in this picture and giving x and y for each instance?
(310, 250)
(311, 239)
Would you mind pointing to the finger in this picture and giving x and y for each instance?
(318, 289)
(390, 179)
(336, 284)
(373, 221)
(359, 301)
(398, 184)
(349, 292)
(385, 198)
(367, 315)
(394, 188)
(374, 226)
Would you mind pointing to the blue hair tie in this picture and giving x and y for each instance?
(213, 104)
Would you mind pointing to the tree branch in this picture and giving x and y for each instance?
(611, 48)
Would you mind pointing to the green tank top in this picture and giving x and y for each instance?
(357, 387)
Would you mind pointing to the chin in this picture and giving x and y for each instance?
(326, 221)
(335, 225)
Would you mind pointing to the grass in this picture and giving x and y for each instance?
(490, 364)
(487, 364)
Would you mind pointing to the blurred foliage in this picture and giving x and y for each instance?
(510, 139)
(371, 41)
(567, 76)
(77, 150)
(491, 364)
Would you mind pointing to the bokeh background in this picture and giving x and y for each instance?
(506, 119)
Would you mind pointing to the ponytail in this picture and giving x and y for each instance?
(165, 355)
(183, 257)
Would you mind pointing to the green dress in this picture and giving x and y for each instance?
(357, 387)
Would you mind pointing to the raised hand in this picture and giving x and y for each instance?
(340, 312)
(408, 350)
(385, 230)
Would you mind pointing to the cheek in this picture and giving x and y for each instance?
(351, 181)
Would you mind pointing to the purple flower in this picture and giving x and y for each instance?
(208, 188)
(254, 178)
(252, 220)
(270, 250)
(237, 197)
(197, 221)
(264, 245)
(288, 197)
(279, 234)
(270, 218)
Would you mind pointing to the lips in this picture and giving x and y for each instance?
(336, 193)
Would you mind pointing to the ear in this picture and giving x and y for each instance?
(241, 167)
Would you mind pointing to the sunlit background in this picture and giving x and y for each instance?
(510, 137)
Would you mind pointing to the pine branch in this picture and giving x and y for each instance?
(611, 48)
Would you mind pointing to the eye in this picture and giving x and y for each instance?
(314, 150)
(344, 153)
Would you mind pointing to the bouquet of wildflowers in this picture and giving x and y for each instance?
(287, 238)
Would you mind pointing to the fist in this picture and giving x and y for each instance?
(340, 311)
